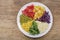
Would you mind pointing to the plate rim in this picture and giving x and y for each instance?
(18, 23)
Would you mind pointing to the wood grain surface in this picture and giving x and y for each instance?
(8, 13)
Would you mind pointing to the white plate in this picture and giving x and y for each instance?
(26, 33)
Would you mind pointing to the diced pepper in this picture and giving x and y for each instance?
(29, 11)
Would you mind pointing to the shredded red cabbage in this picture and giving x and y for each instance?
(45, 18)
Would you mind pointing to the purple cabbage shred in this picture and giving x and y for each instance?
(45, 17)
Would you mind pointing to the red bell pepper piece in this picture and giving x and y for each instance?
(29, 11)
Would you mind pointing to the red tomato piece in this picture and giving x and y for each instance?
(29, 11)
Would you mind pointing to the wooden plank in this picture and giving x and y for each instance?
(8, 14)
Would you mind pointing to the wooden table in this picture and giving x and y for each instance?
(8, 13)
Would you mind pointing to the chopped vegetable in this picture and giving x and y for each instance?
(24, 19)
(29, 11)
(45, 18)
(27, 25)
(42, 26)
(34, 29)
(39, 11)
